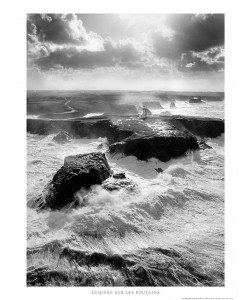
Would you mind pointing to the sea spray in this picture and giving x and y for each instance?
(176, 209)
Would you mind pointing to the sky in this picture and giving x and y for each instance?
(177, 52)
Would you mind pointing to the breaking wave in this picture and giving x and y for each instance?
(167, 229)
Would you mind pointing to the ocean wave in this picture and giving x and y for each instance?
(146, 267)
(172, 211)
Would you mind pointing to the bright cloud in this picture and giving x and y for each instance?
(70, 49)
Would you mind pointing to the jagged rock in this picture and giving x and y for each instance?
(159, 170)
(79, 171)
(148, 112)
(132, 136)
(161, 145)
(120, 175)
(62, 137)
(204, 127)
(92, 128)
(144, 110)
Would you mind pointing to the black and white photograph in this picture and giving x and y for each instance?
(125, 150)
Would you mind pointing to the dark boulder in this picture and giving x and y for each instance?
(161, 145)
(62, 137)
(159, 170)
(79, 171)
(120, 175)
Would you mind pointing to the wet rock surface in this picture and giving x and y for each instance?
(79, 128)
(78, 171)
(154, 139)
(62, 137)
(162, 137)
(120, 175)
(203, 127)
(159, 170)
(162, 147)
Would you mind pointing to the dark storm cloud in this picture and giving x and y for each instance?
(62, 41)
(178, 43)
(56, 28)
(113, 54)
(190, 33)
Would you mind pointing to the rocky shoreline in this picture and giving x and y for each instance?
(162, 138)
(120, 129)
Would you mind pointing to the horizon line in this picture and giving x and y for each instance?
(121, 90)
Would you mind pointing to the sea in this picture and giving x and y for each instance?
(167, 231)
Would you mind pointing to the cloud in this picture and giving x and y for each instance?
(190, 33)
(59, 29)
(135, 46)
(123, 53)
(61, 41)
(209, 60)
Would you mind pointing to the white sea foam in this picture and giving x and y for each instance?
(176, 208)
(91, 115)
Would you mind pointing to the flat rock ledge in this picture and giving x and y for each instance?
(202, 127)
(160, 146)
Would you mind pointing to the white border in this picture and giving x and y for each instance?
(13, 146)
